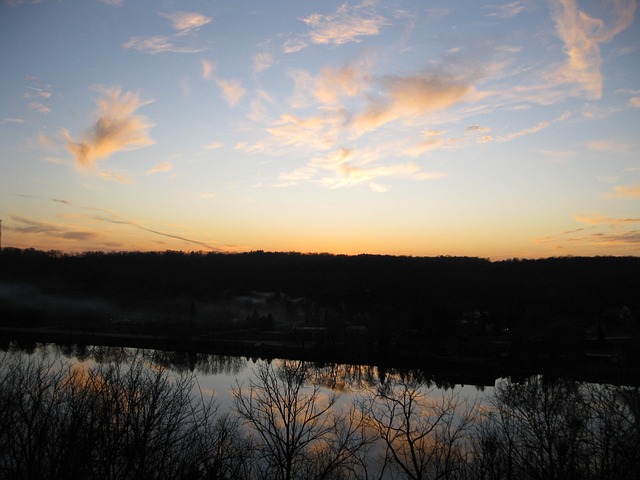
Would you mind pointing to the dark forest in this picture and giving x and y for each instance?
(366, 308)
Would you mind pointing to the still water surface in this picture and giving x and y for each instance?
(217, 375)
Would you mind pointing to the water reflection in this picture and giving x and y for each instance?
(89, 406)
(335, 376)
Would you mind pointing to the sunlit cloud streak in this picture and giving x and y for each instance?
(532, 130)
(607, 146)
(186, 22)
(158, 44)
(598, 219)
(12, 120)
(432, 141)
(116, 129)
(160, 167)
(618, 239)
(343, 168)
(116, 177)
(623, 191)
(582, 36)
(602, 230)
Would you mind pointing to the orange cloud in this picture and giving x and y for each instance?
(116, 177)
(185, 22)
(347, 167)
(582, 36)
(599, 219)
(622, 191)
(160, 167)
(411, 96)
(317, 131)
(116, 129)
(331, 83)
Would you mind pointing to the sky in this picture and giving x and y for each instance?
(422, 128)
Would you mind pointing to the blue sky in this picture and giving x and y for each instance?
(409, 128)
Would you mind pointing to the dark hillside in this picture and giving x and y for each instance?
(390, 306)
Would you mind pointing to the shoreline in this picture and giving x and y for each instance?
(480, 370)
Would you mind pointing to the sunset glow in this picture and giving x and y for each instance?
(407, 128)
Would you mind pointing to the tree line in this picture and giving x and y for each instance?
(137, 420)
(365, 283)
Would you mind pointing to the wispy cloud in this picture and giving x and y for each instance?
(117, 128)
(560, 154)
(259, 104)
(38, 94)
(12, 120)
(347, 167)
(232, 91)
(410, 96)
(472, 129)
(30, 226)
(432, 140)
(294, 45)
(599, 219)
(116, 177)
(160, 167)
(582, 36)
(262, 61)
(315, 132)
(158, 44)
(532, 130)
(347, 24)
(331, 84)
(608, 146)
(110, 217)
(39, 107)
(185, 22)
(625, 191)
(207, 69)
(602, 230)
(506, 11)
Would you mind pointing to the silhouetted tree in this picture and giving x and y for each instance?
(423, 432)
(299, 433)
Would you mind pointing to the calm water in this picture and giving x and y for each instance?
(217, 375)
